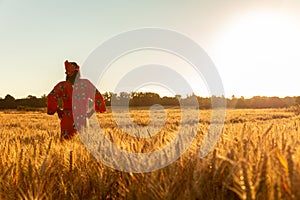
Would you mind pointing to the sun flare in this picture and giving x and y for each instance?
(259, 45)
(262, 35)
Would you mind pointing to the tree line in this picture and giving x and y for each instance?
(28, 103)
(148, 99)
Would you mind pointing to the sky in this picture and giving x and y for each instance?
(254, 45)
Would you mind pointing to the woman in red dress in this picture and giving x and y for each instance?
(85, 92)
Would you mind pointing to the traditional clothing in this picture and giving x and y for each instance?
(79, 95)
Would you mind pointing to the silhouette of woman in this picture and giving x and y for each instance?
(63, 92)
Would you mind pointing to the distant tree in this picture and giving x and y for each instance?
(9, 102)
(43, 101)
(144, 98)
(124, 99)
(113, 97)
(44, 98)
(31, 97)
(170, 101)
(241, 103)
(8, 97)
(276, 102)
(231, 103)
(204, 103)
(107, 98)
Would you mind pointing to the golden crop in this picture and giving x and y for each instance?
(257, 157)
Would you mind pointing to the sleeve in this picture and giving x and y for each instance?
(95, 95)
(99, 102)
(52, 99)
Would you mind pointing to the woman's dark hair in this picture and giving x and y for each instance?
(71, 79)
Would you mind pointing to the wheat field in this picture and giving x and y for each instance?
(257, 157)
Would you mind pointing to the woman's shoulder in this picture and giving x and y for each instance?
(85, 81)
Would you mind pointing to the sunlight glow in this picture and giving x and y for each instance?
(259, 47)
(136, 59)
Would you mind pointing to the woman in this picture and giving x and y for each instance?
(83, 92)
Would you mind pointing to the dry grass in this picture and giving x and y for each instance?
(257, 157)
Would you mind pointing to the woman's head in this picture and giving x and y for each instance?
(71, 67)
(72, 71)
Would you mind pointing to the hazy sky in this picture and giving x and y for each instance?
(255, 45)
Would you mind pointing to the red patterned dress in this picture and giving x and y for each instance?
(84, 92)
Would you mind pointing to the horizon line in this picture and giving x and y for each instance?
(161, 96)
